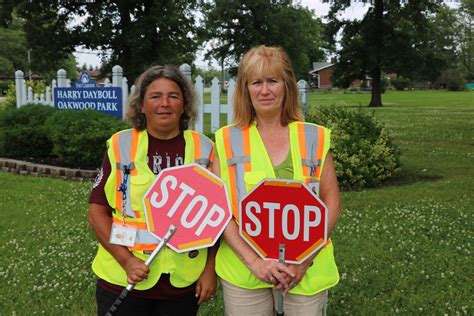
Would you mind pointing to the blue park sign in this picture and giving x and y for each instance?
(85, 81)
(106, 100)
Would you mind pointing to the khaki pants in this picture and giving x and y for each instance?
(263, 302)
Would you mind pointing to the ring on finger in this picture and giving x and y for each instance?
(272, 279)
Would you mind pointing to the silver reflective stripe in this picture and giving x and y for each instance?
(238, 158)
(125, 145)
(309, 163)
(311, 135)
(144, 237)
(203, 162)
(206, 149)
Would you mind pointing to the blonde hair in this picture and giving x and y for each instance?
(264, 60)
(135, 101)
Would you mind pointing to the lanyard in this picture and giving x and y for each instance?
(123, 188)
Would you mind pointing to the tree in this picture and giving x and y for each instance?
(465, 28)
(12, 50)
(133, 34)
(6, 10)
(140, 33)
(48, 37)
(435, 51)
(390, 38)
(233, 27)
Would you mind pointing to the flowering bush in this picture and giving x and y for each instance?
(363, 151)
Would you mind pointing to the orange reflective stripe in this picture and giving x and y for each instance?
(133, 150)
(246, 145)
(232, 170)
(211, 158)
(118, 177)
(228, 148)
(319, 152)
(138, 225)
(139, 247)
(197, 145)
(303, 153)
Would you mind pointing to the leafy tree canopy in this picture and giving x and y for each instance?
(137, 33)
(233, 27)
(465, 33)
(140, 33)
(400, 36)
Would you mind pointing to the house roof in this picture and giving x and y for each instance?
(320, 65)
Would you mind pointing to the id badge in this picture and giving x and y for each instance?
(123, 235)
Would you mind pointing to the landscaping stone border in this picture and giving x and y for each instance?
(39, 170)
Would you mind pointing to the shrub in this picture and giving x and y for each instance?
(10, 98)
(455, 80)
(22, 132)
(363, 151)
(4, 86)
(79, 136)
(401, 83)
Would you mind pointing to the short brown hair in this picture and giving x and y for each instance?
(135, 101)
(265, 60)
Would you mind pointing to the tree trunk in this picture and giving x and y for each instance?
(376, 72)
(376, 98)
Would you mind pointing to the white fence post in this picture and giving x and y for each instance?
(124, 96)
(48, 98)
(117, 81)
(230, 103)
(215, 105)
(19, 78)
(303, 87)
(186, 70)
(29, 97)
(199, 87)
(61, 78)
(117, 76)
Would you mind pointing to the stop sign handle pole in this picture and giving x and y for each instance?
(171, 230)
(281, 259)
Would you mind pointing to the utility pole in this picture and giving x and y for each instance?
(29, 65)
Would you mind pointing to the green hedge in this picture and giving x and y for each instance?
(23, 134)
(363, 151)
(71, 138)
(79, 136)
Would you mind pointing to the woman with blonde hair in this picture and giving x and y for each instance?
(268, 139)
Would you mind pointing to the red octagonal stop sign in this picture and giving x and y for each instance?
(283, 212)
(191, 198)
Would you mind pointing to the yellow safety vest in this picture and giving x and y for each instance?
(244, 162)
(129, 148)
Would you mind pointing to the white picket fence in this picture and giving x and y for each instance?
(25, 94)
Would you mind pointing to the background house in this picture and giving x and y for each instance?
(321, 76)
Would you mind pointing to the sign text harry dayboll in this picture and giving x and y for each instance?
(107, 100)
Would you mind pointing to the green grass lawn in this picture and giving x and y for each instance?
(402, 248)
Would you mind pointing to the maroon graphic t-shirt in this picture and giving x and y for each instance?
(161, 154)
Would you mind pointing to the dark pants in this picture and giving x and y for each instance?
(141, 306)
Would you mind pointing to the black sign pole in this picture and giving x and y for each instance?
(281, 259)
(129, 288)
